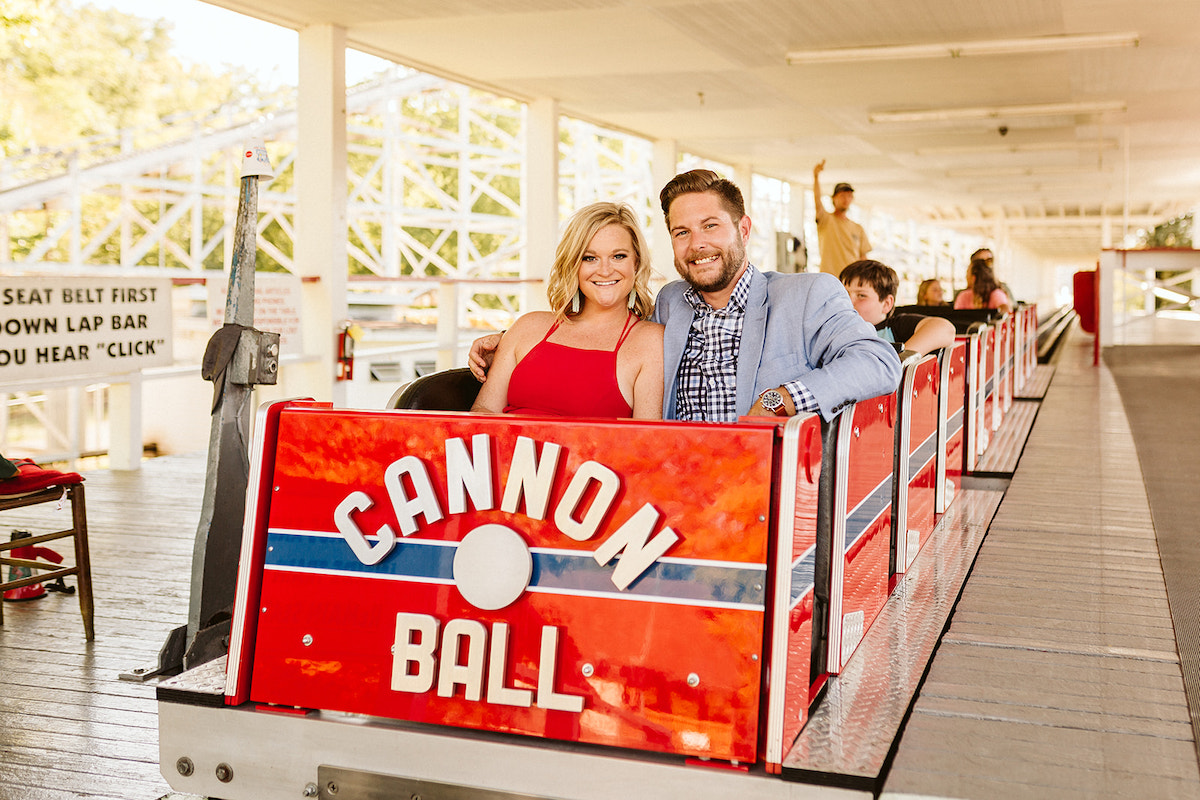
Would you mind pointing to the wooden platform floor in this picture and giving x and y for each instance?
(1059, 675)
(69, 728)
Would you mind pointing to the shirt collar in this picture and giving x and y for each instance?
(737, 300)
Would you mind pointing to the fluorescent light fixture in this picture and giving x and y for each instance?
(986, 47)
(1021, 172)
(1173, 296)
(1024, 147)
(997, 112)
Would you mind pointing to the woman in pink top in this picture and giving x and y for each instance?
(982, 289)
(594, 353)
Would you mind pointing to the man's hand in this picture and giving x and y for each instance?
(819, 168)
(483, 350)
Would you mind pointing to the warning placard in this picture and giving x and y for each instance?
(62, 326)
(276, 307)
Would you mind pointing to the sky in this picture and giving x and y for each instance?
(210, 35)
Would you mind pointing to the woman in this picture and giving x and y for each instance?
(982, 289)
(931, 293)
(594, 354)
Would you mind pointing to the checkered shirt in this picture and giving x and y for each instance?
(706, 390)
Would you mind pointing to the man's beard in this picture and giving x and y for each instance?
(731, 261)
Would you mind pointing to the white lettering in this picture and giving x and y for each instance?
(497, 692)
(363, 550)
(415, 667)
(419, 655)
(406, 508)
(469, 474)
(546, 696)
(564, 514)
(531, 478)
(455, 673)
(639, 554)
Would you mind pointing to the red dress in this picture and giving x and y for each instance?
(556, 380)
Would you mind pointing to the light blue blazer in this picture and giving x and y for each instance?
(798, 327)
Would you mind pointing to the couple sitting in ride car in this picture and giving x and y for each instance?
(730, 340)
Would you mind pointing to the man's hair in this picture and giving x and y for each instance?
(703, 180)
(878, 276)
(577, 237)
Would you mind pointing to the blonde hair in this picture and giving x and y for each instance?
(577, 235)
(923, 291)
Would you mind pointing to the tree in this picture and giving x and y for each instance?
(71, 74)
(1175, 232)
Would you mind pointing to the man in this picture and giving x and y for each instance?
(841, 239)
(872, 288)
(743, 342)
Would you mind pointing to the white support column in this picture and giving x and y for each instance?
(447, 326)
(743, 176)
(541, 198)
(321, 237)
(664, 167)
(125, 423)
(799, 197)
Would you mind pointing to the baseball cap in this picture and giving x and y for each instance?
(843, 187)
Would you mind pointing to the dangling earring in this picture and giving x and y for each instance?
(633, 299)
(575, 303)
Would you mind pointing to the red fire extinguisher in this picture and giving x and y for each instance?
(345, 351)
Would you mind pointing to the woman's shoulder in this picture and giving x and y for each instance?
(645, 339)
(532, 323)
(648, 330)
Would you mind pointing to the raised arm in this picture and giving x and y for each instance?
(820, 208)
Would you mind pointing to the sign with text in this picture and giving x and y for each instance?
(276, 307)
(61, 326)
(546, 577)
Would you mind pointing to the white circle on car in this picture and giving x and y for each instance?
(492, 567)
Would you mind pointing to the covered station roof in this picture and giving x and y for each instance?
(1057, 124)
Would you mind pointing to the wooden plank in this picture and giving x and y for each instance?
(69, 727)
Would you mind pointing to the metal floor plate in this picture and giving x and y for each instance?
(1009, 441)
(202, 685)
(847, 741)
(1035, 388)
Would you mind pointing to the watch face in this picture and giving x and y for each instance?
(772, 401)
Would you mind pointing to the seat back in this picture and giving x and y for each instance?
(449, 390)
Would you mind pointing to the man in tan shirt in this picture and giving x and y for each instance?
(842, 240)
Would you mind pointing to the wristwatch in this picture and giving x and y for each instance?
(772, 401)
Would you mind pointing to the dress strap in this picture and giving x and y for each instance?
(627, 330)
(553, 328)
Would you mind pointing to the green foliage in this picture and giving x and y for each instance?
(79, 83)
(1172, 233)
(71, 73)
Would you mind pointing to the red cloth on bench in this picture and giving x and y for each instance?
(31, 478)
